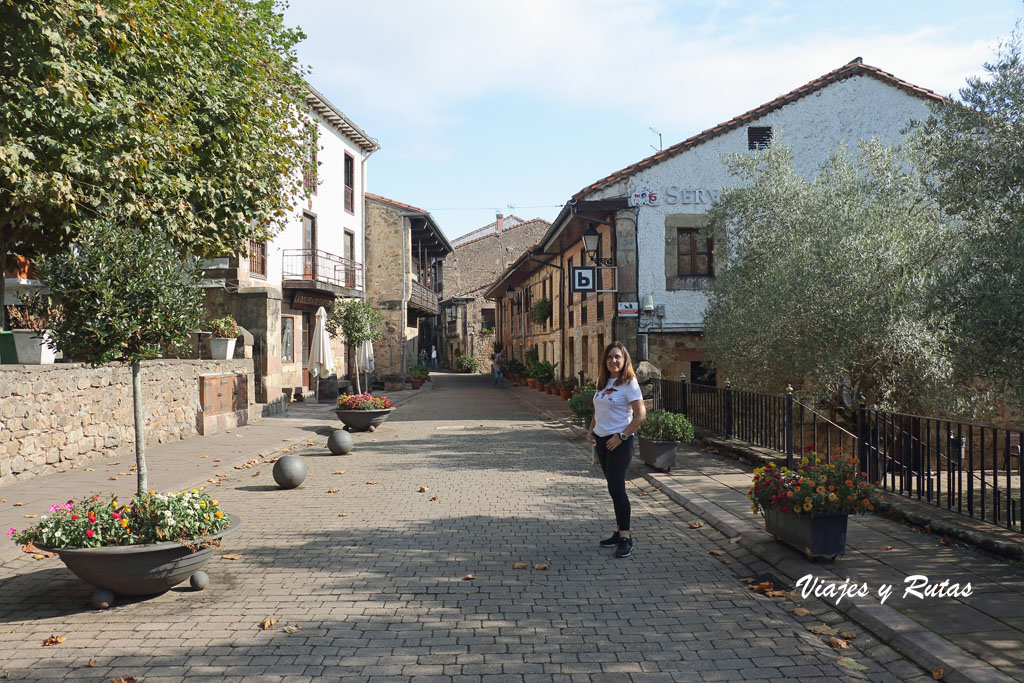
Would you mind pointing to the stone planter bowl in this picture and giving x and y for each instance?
(363, 420)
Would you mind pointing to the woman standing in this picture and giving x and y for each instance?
(618, 412)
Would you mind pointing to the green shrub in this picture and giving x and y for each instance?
(582, 403)
(224, 328)
(467, 363)
(419, 372)
(662, 425)
(541, 311)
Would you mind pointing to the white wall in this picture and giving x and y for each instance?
(858, 108)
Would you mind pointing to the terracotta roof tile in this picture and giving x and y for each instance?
(853, 68)
(370, 195)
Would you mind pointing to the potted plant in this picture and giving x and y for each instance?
(541, 311)
(659, 435)
(142, 547)
(566, 388)
(808, 508)
(363, 412)
(467, 363)
(581, 405)
(29, 327)
(225, 333)
(419, 374)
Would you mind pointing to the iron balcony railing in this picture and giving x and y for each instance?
(321, 266)
(422, 298)
(972, 469)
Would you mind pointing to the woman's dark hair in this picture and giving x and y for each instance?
(626, 376)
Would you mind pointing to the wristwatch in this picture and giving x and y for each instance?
(623, 436)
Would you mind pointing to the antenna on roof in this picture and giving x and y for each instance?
(658, 148)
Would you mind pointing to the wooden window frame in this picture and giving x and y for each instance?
(350, 183)
(288, 350)
(692, 240)
(258, 259)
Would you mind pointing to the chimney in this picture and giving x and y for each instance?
(501, 223)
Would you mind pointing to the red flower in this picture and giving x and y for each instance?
(92, 518)
(90, 533)
(74, 516)
(116, 516)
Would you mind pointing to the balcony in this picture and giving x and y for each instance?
(312, 269)
(422, 300)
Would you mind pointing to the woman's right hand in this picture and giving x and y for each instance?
(590, 437)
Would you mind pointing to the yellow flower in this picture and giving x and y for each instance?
(202, 503)
(820, 490)
(214, 501)
(833, 496)
(808, 504)
(218, 514)
(206, 517)
(124, 523)
(195, 490)
(152, 491)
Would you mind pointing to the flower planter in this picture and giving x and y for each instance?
(393, 386)
(31, 349)
(416, 383)
(363, 420)
(819, 535)
(221, 348)
(139, 569)
(565, 393)
(532, 383)
(658, 454)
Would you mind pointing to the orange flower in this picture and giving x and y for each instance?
(218, 514)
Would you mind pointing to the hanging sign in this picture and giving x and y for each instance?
(583, 279)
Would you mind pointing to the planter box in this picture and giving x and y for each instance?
(815, 536)
(7, 353)
(31, 348)
(222, 349)
(658, 454)
(363, 420)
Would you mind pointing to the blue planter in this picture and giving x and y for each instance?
(822, 535)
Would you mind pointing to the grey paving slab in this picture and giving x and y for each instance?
(391, 583)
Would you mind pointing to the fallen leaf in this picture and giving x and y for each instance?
(54, 640)
(848, 635)
(696, 525)
(823, 630)
(800, 611)
(885, 547)
(725, 560)
(851, 664)
(735, 539)
(540, 567)
(294, 628)
(123, 679)
(113, 463)
(747, 580)
(642, 493)
(837, 643)
(777, 594)
(232, 556)
(333, 490)
(112, 478)
(339, 471)
(762, 587)
(221, 476)
(92, 662)
(59, 472)
(217, 459)
(3, 500)
(433, 498)
(343, 514)
(240, 436)
(423, 489)
(938, 673)
(212, 481)
(520, 565)
(267, 623)
(30, 516)
(90, 469)
(717, 552)
(204, 456)
(549, 478)
(946, 542)
(18, 505)
(468, 577)
(371, 483)
(257, 474)
(122, 474)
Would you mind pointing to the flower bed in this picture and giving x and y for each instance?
(814, 487)
(363, 402)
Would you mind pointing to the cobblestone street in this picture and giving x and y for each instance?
(377, 575)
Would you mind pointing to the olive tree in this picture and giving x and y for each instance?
(174, 115)
(123, 296)
(357, 322)
(974, 153)
(826, 280)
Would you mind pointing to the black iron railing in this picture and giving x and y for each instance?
(321, 266)
(968, 468)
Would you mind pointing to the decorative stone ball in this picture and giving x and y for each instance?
(102, 598)
(289, 471)
(340, 442)
(199, 580)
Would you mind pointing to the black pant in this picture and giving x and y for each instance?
(614, 464)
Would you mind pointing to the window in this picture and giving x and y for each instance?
(600, 307)
(759, 137)
(287, 339)
(350, 183)
(350, 254)
(309, 164)
(695, 253)
(258, 258)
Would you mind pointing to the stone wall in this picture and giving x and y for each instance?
(72, 413)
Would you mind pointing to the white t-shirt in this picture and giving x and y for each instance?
(612, 412)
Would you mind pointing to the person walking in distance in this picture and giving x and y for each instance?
(499, 367)
(423, 357)
(618, 413)
(433, 358)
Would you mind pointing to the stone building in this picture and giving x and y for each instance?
(470, 323)
(275, 289)
(649, 215)
(405, 250)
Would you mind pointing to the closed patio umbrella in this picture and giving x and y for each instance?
(365, 361)
(321, 358)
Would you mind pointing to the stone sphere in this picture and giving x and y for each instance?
(199, 580)
(102, 599)
(289, 471)
(340, 442)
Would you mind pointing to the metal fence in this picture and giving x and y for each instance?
(972, 469)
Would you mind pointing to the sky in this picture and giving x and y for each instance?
(483, 106)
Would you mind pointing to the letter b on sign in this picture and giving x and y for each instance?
(584, 279)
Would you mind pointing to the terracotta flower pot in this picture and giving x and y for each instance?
(416, 383)
(565, 393)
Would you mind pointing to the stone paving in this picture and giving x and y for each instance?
(386, 582)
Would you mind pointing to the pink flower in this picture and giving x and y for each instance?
(74, 516)
(11, 532)
(90, 533)
(115, 515)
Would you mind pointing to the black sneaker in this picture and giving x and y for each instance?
(625, 548)
(611, 540)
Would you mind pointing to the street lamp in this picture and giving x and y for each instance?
(510, 294)
(591, 240)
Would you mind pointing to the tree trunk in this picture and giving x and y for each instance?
(140, 427)
(357, 380)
